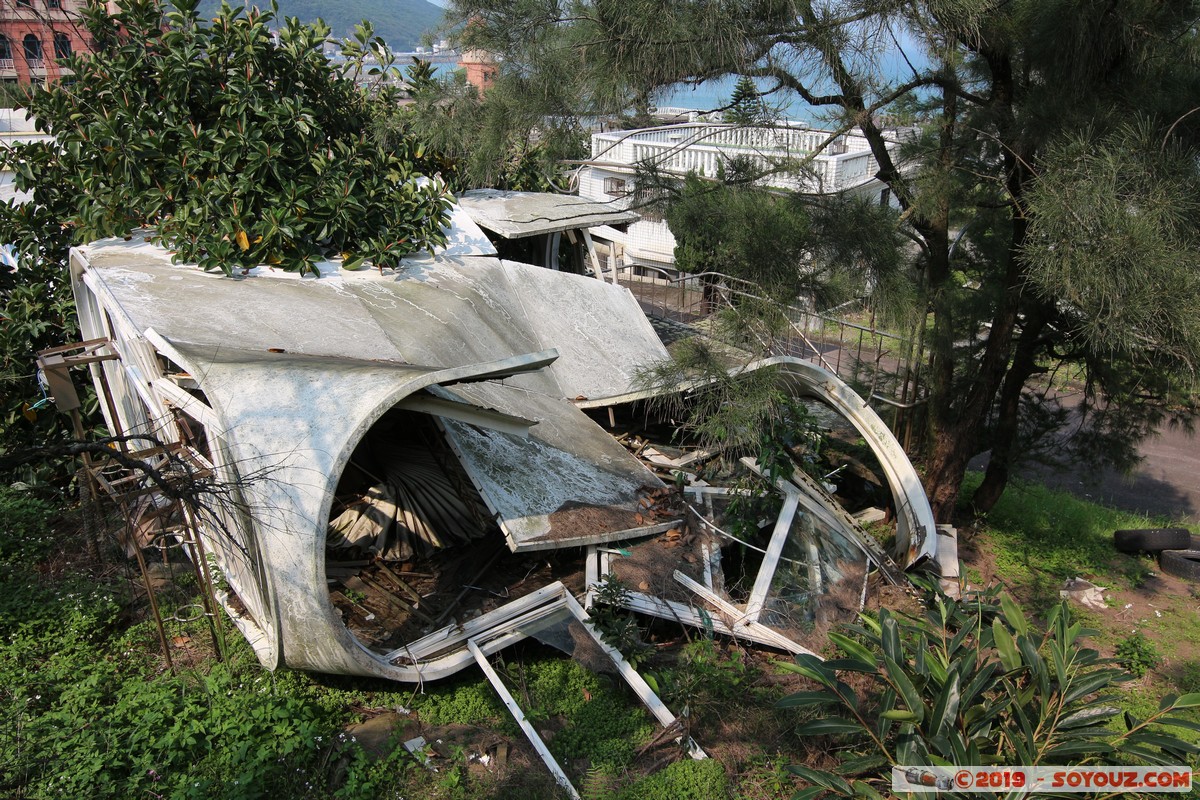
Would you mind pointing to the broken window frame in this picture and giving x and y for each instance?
(481, 645)
(744, 620)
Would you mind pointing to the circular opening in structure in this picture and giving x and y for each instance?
(407, 527)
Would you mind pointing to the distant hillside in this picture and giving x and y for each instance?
(399, 22)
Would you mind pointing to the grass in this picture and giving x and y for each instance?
(1034, 532)
(92, 711)
(83, 685)
(1038, 537)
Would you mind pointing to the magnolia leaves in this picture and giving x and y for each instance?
(232, 148)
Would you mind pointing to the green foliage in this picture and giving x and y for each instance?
(232, 150)
(90, 712)
(616, 625)
(599, 721)
(189, 739)
(1137, 654)
(491, 141)
(461, 702)
(1141, 232)
(102, 732)
(37, 311)
(1188, 677)
(608, 729)
(972, 682)
(732, 412)
(703, 679)
(683, 780)
(746, 106)
(823, 250)
(369, 777)
(24, 535)
(1036, 530)
(1004, 142)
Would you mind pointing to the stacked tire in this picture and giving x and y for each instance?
(1178, 553)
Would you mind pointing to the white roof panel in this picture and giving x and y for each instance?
(515, 215)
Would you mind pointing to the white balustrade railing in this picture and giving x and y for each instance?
(831, 162)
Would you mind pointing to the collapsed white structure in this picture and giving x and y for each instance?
(278, 381)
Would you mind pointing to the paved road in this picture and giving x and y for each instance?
(1167, 482)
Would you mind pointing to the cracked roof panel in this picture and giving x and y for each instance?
(515, 215)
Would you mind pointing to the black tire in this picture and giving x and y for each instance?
(1152, 540)
(1181, 563)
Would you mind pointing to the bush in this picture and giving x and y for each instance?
(1137, 654)
(971, 682)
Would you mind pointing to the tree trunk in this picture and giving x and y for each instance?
(958, 413)
(1004, 432)
(950, 452)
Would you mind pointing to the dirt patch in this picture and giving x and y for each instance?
(1139, 597)
(573, 519)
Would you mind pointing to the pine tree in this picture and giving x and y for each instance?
(1038, 126)
(746, 107)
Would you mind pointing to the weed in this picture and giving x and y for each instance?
(599, 783)
(1042, 593)
(1188, 677)
(683, 780)
(24, 537)
(703, 677)
(217, 575)
(461, 702)
(764, 777)
(1137, 654)
(1137, 570)
(616, 625)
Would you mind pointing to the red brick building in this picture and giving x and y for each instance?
(35, 35)
(480, 67)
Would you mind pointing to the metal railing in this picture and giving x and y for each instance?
(881, 365)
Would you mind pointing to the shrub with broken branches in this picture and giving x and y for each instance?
(732, 411)
(162, 491)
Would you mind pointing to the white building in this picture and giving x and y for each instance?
(831, 163)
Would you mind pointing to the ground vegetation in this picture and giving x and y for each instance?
(94, 709)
